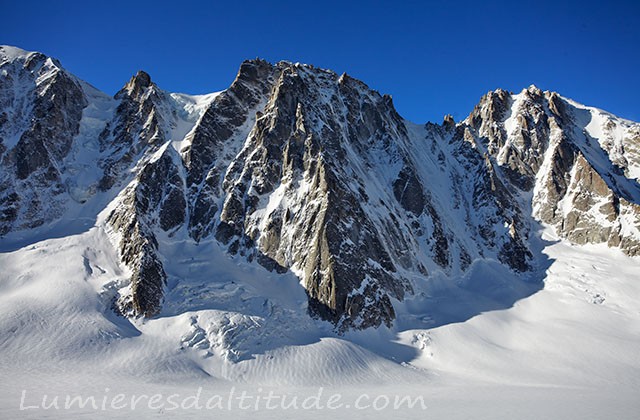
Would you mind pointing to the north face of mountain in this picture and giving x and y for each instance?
(307, 171)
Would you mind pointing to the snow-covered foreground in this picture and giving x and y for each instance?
(487, 346)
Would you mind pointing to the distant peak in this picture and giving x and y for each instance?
(257, 61)
(10, 53)
(533, 89)
(253, 70)
(498, 95)
(448, 121)
(31, 60)
(142, 79)
(136, 85)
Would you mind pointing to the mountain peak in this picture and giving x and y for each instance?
(9, 53)
(136, 85)
(29, 59)
(533, 90)
(142, 78)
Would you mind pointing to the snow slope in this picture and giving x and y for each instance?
(567, 351)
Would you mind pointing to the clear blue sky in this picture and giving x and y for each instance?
(434, 57)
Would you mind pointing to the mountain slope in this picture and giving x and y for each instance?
(308, 172)
(580, 163)
(294, 232)
(41, 111)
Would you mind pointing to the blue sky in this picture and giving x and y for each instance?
(433, 57)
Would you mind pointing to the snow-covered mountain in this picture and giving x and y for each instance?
(294, 229)
(309, 172)
(314, 173)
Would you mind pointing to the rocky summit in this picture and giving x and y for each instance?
(306, 171)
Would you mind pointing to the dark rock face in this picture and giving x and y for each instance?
(154, 199)
(324, 232)
(521, 152)
(138, 127)
(408, 191)
(42, 107)
(46, 140)
(161, 187)
(138, 250)
(300, 169)
(218, 139)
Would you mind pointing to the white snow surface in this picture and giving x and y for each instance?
(9, 53)
(81, 172)
(190, 109)
(569, 350)
(614, 136)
